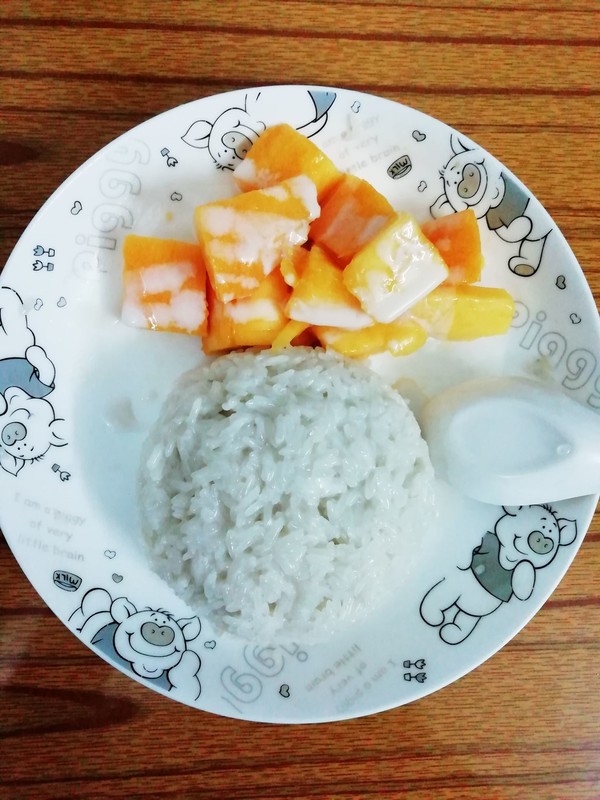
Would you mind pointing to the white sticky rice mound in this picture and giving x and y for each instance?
(284, 495)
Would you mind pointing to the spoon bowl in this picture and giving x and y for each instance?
(513, 441)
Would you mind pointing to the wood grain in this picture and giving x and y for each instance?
(521, 78)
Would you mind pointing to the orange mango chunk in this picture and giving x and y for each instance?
(164, 285)
(457, 238)
(464, 312)
(398, 338)
(252, 321)
(320, 297)
(282, 152)
(395, 269)
(351, 214)
(293, 264)
(245, 237)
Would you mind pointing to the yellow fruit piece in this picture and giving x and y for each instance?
(287, 334)
(293, 264)
(164, 285)
(395, 269)
(245, 237)
(282, 152)
(252, 321)
(457, 238)
(320, 297)
(351, 214)
(398, 338)
(464, 312)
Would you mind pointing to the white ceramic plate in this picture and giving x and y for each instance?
(84, 396)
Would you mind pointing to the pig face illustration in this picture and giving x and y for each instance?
(28, 428)
(152, 641)
(472, 181)
(531, 533)
(228, 138)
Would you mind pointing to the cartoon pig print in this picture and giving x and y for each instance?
(28, 426)
(472, 179)
(524, 540)
(233, 132)
(151, 642)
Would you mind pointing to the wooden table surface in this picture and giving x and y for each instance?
(521, 78)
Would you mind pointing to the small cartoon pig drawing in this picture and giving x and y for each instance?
(151, 642)
(524, 540)
(229, 137)
(28, 426)
(472, 179)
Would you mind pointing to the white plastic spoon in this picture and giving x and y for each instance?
(513, 441)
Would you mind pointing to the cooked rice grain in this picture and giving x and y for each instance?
(284, 494)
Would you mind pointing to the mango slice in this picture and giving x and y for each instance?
(164, 285)
(293, 264)
(398, 338)
(252, 321)
(282, 152)
(457, 238)
(244, 238)
(319, 296)
(395, 269)
(464, 312)
(289, 333)
(351, 214)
